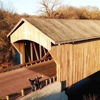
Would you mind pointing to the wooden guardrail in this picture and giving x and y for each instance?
(25, 91)
(6, 65)
(24, 65)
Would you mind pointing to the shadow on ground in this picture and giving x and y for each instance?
(47, 68)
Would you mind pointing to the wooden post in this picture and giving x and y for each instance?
(22, 92)
(44, 51)
(40, 86)
(36, 52)
(53, 79)
(46, 82)
(40, 51)
(7, 97)
(35, 88)
(31, 50)
(49, 80)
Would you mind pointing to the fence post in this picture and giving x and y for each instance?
(22, 92)
(49, 80)
(35, 88)
(46, 82)
(53, 79)
(7, 97)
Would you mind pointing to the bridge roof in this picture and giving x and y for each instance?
(64, 30)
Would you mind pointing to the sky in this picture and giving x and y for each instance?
(32, 6)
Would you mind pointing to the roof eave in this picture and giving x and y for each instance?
(77, 40)
(16, 26)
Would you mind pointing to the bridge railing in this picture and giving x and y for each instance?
(27, 90)
(24, 65)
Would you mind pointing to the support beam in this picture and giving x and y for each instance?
(37, 56)
(40, 51)
(31, 50)
(45, 55)
(44, 51)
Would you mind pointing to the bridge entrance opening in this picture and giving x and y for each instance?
(34, 51)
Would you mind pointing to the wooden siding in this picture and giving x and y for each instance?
(28, 32)
(20, 47)
(76, 61)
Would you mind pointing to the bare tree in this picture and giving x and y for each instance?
(48, 7)
(7, 21)
(1, 5)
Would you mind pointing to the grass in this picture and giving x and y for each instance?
(90, 97)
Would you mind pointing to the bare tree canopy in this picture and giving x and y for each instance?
(54, 9)
(7, 22)
(48, 7)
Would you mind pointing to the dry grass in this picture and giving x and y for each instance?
(69, 12)
(90, 97)
(7, 22)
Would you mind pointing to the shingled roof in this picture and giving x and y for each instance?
(64, 30)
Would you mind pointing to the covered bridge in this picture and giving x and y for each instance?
(73, 44)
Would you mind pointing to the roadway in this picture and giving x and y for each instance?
(15, 80)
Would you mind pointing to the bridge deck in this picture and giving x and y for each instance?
(16, 80)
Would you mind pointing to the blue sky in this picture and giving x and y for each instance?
(32, 6)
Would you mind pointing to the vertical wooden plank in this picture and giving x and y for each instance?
(40, 48)
(22, 50)
(58, 72)
(71, 64)
(36, 51)
(83, 57)
(31, 50)
(44, 51)
(59, 61)
(49, 80)
(22, 92)
(53, 79)
(7, 97)
(46, 82)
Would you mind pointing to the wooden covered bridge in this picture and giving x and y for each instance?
(74, 45)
